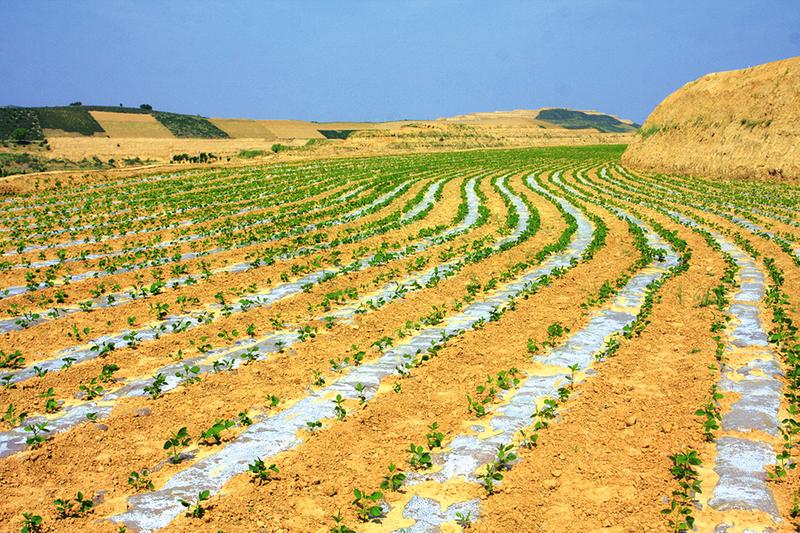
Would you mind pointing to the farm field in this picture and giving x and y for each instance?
(534, 339)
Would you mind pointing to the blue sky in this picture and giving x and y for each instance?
(380, 60)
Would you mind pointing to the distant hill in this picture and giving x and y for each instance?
(545, 118)
(576, 120)
(75, 120)
(38, 123)
(736, 124)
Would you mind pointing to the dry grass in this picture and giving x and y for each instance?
(76, 148)
(131, 125)
(737, 124)
(242, 128)
(268, 129)
(293, 129)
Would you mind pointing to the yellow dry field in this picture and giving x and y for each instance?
(293, 129)
(239, 128)
(242, 128)
(366, 142)
(77, 148)
(518, 118)
(131, 125)
(364, 125)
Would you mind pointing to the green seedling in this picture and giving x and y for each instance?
(505, 456)
(339, 526)
(92, 390)
(306, 332)
(250, 355)
(338, 408)
(358, 355)
(189, 374)
(273, 401)
(475, 406)
(244, 419)
(533, 348)
(213, 433)
(366, 504)
(362, 398)
(383, 343)
(490, 477)
(140, 480)
(261, 472)
(434, 437)
(420, 458)
(156, 386)
(528, 441)
(50, 405)
(464, 520)
(36, 439)
(32, 523)
(572, 370)
(107, 373)
(711, 414)
(197, 509)
(7, 383)
(222, 365)
(73, 508)
(176, 443)
(393, 480)
(679, 513)
(12, 418)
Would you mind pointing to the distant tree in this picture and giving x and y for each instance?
(146, 107)
(19, 134)
(76, 103)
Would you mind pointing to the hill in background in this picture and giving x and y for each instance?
(553, 117)
(100, 137)
(39, 123)
(76, 120)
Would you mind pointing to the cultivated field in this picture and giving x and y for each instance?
(493, 340)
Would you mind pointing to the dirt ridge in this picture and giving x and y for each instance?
(740, 124)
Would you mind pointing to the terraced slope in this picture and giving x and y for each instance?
(483, 340)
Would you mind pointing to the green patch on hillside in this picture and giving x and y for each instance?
(189, 126)
(26, 162)
(249, 154)
(72, 119)
(19, 124)
(336, 134)
(575, 120)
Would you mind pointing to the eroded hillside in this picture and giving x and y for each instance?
(737, 124)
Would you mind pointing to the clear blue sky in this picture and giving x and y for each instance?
(378, 60)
